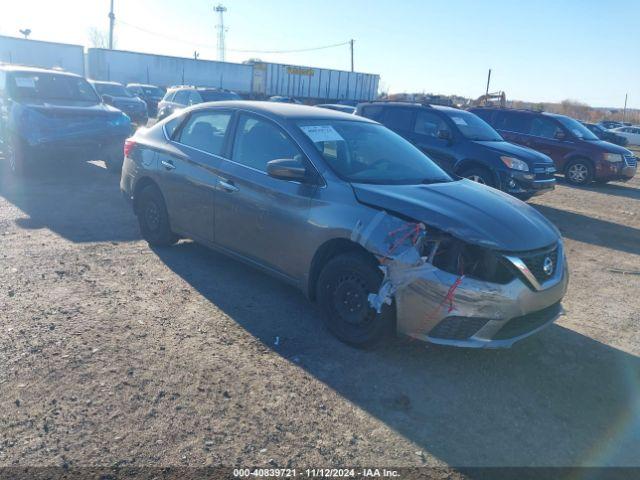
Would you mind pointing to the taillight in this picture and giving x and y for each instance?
(128, 146)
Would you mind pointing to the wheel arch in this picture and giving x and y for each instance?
(140, 184)
(327, 251)
(468, 163)
(578, 156)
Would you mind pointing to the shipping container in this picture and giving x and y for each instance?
(36, 53)
(313, 83)
(132, 67)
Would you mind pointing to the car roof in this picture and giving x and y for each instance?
(26, 69)
(290, 111)
(141, 85)
(442, 108)
(104, 82)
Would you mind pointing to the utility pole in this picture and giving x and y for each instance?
(220, 9)
(624, 112)
(488, 82)
(112, 21)
(351, 45)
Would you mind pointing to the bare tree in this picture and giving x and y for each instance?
(99, 38)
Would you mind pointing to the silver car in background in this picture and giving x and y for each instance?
(353, 215)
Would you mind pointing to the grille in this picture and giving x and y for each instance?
(544, 170)
(457, 328)
(631, 160)
(521, 325)
(535, 263)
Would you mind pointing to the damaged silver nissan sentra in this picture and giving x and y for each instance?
(355, 216)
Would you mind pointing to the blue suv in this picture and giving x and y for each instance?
(49, 114)
(465, 145)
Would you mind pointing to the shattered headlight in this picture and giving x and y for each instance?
(514, 163)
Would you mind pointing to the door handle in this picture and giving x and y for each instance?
(228, 186)
(168, 165)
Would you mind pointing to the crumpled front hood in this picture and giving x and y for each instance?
(523, 153)
(467, 210)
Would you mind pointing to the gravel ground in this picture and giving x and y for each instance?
(114, 353)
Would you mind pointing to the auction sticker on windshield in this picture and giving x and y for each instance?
(322, 133)
(459, 121)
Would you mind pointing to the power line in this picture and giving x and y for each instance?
(208, 45)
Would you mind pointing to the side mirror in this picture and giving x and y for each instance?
(444, 134)
(560, 135)
(287, 169)
(107, 99)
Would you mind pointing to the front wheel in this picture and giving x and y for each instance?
(479, 175)
(342, 292)
(579, 172)
(17, 158)
(153, 218)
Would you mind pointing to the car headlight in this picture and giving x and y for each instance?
(613, 157)
(515, 164)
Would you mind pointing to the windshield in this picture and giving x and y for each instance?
(49, 86)
(112, 90)
(473, 127)
(577, 128)
(370, 153)
(216, 96)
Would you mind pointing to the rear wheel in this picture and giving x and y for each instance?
(153, 218)
(579, 172)
(479, 175)
(342, 292)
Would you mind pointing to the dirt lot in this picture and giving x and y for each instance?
(113, 353)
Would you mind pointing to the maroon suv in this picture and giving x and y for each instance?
(576, 152)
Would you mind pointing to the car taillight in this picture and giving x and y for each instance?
(128, 147)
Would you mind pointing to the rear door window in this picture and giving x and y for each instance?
(513, 122)
(206, 131)
(543, 127)
(398, 119)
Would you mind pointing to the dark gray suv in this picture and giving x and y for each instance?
(353, 215)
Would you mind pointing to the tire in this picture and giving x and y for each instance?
(342, 290)
(579, 172)
(153, 218)
(17, 158)
(479, 175)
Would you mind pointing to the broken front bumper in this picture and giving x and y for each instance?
(483, 314)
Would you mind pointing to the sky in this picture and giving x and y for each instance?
(541, 51)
